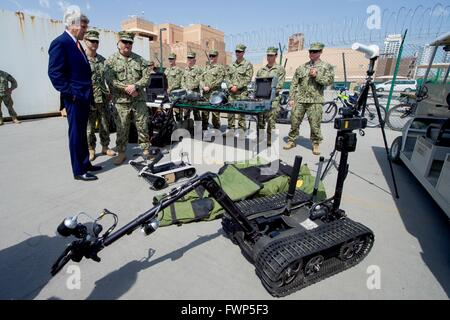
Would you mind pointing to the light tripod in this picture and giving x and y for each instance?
(361, 104)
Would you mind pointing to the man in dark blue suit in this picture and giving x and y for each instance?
(70, 74)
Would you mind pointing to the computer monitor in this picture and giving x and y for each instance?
(156, 83)
(157, 86)
(263, 88)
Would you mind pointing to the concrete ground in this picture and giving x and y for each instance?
(410, 258)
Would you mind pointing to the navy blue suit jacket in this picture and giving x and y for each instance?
(69, 70)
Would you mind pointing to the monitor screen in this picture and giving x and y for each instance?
(263, 88)
(157, 81)
(157, 86)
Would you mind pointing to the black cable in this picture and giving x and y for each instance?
(116, 221)
(165, 197)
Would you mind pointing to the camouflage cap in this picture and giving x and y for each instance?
(92, 35)
(272, 51)
(241, 47)
(213, 52)
(126, 36)
(316, 46)
(172, 56)
(191, 54)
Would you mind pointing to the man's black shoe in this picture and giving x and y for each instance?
(95, 168)
(86, 177)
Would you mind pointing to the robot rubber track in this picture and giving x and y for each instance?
(294, 262)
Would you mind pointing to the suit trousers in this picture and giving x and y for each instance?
(77, 117)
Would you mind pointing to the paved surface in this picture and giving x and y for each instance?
(412, 235)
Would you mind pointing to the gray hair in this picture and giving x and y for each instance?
(73, 16)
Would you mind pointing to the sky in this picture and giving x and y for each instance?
(230, 16)
(246, 19)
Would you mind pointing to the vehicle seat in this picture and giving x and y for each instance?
(409, 95)
(439, 134)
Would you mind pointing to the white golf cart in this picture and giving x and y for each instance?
(424, 146)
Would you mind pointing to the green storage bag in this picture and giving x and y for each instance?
(198, 206)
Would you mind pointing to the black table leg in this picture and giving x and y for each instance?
(257, 135)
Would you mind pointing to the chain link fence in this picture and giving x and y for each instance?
(424, 23)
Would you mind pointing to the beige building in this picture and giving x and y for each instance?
(179, 40)
(386, 67)
(356, 63)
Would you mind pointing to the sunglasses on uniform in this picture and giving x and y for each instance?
(127, 42)
(93, 41)
(314, 51)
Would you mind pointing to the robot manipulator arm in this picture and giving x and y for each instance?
(88, 244)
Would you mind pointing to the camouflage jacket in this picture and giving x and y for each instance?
(98, 78)
(5, 77)
(240, 74)
(305, 89)
(213, 76)
(275, 71)
(173, 75)
(122, 71)
(191, 78)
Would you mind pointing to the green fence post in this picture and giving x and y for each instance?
(397, 66)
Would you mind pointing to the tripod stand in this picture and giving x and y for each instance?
(352, 111)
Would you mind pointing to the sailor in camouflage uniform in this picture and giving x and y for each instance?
(99, 112)
(5, 95)
(239, 76)
(211, 81)
(190, 81)
(272, 70)
(127, 75)
(306, 96)
(174, 75)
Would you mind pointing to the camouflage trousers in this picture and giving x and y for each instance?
(205, 115)
(138, 113)
(177, 114)
(8, 101)
(270, 116)
(187, 113)
(314, 112)
(232, 116)
(98, 114)
(176, 111)
(197, 116)
(215, 120)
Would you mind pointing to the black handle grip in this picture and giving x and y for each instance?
(294, 177)
(155, 161)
